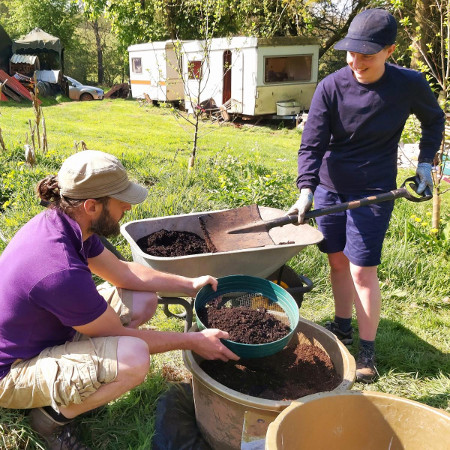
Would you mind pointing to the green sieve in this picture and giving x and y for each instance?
(253, 292)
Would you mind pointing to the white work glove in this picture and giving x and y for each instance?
(425, 179)
(303, 204)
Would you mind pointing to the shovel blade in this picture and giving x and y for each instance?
(216, 228)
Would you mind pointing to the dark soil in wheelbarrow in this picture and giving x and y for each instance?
(167, 243)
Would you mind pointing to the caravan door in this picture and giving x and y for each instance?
(227, 69)
(237, 82)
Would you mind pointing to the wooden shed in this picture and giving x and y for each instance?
(24, 64)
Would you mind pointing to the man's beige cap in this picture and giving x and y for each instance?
(95, 174)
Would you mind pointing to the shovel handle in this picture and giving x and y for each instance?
(412, 182)
(385, 196)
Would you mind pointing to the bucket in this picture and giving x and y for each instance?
(446, 165)
(358, 420)
(221, 412)
(288, 108)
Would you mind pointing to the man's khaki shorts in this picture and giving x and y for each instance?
(67, 373)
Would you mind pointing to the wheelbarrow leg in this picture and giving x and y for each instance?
(187, 315)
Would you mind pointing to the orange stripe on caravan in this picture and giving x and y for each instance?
(140, 82)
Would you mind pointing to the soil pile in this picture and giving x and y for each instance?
(296, 371)
(244, 324)
(167, 243)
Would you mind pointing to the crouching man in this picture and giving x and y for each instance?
(65, 346)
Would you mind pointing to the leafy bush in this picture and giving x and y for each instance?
(430, 239)
(235, 183)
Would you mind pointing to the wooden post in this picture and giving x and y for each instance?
(44, 136)
(2, 143)
(32, 130)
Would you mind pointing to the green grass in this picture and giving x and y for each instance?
(235, 166)
(121, 126)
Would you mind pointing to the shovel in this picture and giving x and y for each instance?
(242, 228)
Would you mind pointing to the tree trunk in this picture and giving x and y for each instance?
(194, 144)
(436, 208)
(425, 35)
(98, 43)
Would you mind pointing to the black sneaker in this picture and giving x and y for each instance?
(57, 435)
(366, 372)
(345, 337)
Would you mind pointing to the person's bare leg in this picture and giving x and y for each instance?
(368, 300)
(133, 360)
(144, 308)
(342, 284)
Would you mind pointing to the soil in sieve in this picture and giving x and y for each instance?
(167, 243)
(299, 369)
(295, 371)
(243, 323)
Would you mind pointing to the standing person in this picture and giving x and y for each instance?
(348, 151)
(66, 348)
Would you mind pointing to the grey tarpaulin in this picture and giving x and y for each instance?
(47, 47)
(38, 39)
(175, 425)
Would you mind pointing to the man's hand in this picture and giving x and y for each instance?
(303, 204)
(198, 283)
(425, 179)
(207, 344)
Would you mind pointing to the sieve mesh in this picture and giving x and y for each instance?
(251, 300)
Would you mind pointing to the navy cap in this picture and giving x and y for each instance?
(369, 32)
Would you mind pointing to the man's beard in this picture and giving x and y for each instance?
(105, 225)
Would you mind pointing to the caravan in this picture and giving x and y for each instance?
(245, 75)
(154, 71)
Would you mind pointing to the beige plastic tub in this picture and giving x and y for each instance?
(359, 420)
(221, 412)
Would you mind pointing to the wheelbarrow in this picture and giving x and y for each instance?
(265, 262)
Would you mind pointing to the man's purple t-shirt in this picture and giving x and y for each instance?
(46, 287)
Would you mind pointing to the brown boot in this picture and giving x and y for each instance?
(58, 435)
(366, 371)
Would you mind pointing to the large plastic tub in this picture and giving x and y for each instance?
(289, 240)
(221, 412)
(288, 108)
(359, 420)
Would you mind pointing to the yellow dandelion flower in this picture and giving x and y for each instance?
(424, 224)
(428, 213)
(418, 219)
(413, 217)
(434, 231)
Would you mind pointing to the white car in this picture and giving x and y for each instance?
(78, 91)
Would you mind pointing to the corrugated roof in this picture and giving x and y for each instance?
(23, 59)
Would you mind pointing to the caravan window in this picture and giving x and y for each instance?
(287, 69)
(136, 64)
(195, 70)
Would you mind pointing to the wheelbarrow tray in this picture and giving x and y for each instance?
(288, 240)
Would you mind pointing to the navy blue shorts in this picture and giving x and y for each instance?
(358, 232)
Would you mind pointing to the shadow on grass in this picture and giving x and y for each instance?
(402, 350)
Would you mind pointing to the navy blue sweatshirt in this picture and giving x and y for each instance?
(350, 140)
